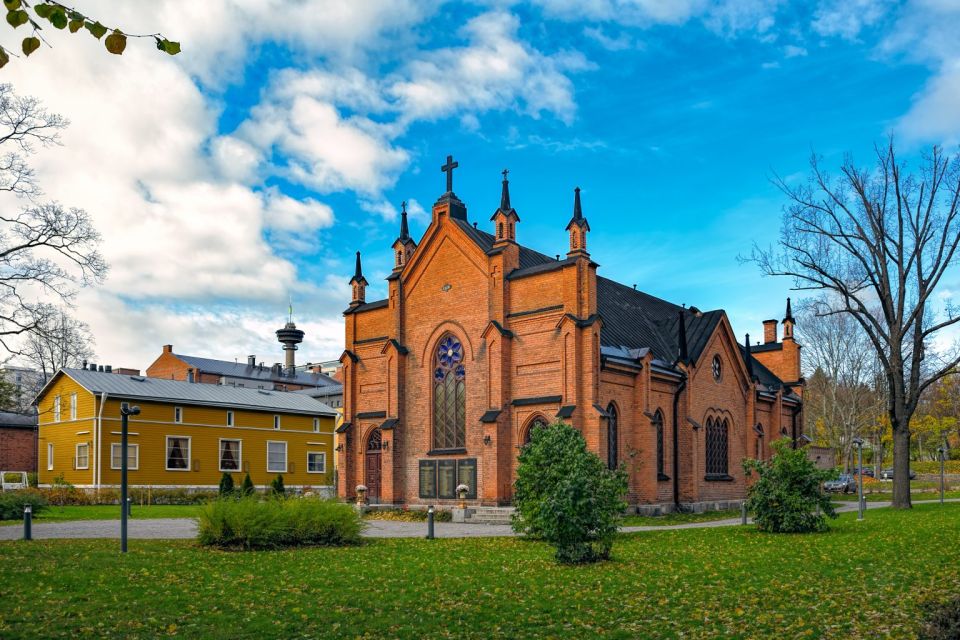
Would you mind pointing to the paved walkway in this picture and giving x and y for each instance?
(186, 528)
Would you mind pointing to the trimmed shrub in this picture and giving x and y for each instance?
(565, 495)
(408, 515)
(942, 621)
(787, 497)
(226, 484)
(252, 523)
(13, 502)
(247, 488)
(277, 486)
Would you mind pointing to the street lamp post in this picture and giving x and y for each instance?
(943, 456)
(860, 505)
(125, 412)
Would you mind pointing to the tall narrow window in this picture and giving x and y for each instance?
(229, 455)
(177, 414)
(56, 408)
(178, 453)
(658, 426)
(316, 425)
(449, 396)
(229, 418)
(612, 437)
(49, 456)
(717, 447)
(73, 406)
(83, 456)
(276, 422)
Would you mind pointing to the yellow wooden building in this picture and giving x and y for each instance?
(187, 434)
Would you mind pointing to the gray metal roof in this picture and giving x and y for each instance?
(322, 392)
(195, 393)
(255, 372)
(9, 419)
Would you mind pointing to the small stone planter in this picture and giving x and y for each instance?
(361, 494)
(462, 491)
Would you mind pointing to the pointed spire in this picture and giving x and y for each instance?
(358, 273)
(748, 356)
(505, 193)
(404, 228)
(577, 218)
(682, 339)
(789, 316)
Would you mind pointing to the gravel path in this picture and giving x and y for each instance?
(186, 528)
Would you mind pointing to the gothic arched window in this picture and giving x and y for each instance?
(717, 447)
(538, 423)
(449, 396)
(612, 457)
(375, 440)
(658, 425)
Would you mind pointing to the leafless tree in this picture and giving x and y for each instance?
(46, 250)
(841, 394)
(880, 241)
(60, 341)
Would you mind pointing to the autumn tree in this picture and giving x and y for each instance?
(47, 250)
(841, 396)
(879, 241)
(35, 17)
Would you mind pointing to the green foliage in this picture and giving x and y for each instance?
(277, 486)
(408, 515)
(787, 497)
(251, 523)
(8, 395)
(942, 620)
(565, 495)
(247, 488)
(226, 484)
(932, 467)
(62, 17)
(13, 502)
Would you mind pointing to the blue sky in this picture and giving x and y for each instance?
(293, 134)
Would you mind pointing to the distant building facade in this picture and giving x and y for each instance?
(187, 435)
(18, 441)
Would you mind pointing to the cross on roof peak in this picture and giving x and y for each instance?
(448, 169)
(505, 172)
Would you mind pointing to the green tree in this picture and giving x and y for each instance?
(226, 484)
(787, 496)
(8, 395)
(277, 486)
(22, 14)
(247, 488)
(565, 495)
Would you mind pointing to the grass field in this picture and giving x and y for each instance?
(111, 512)
(886, 497)
(860, 580)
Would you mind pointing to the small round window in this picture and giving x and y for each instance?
(717, 368)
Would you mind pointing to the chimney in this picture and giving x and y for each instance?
(189, 375)
(83, 365)
(251, 361)
(769, 331)
(109, 368)
(93, 367)
(100, 368)
(168, 348)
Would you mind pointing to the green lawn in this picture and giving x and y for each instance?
(678, 518)
(111, 512)
(862, 579)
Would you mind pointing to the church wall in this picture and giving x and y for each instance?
(724, 399)
(661, 397)
(375, 323)
(536, 292)
(764, 417)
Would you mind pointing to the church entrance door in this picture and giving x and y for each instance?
(372, 465)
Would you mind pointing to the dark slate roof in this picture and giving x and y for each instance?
(255, 372)
(768, 346)
(367, 306)
(634, 319)
(11, 420)
(322, 392)
(764, 375)
(158, 389)
(528, 257)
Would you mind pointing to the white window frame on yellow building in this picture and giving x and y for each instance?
(239, 455)
(178, 415)
(76, 456)
(323, 455)
(131, 448)
(73, 406)
(231, 419)
(286, 456)
(166, 452)
(56, 408)
(49, 456)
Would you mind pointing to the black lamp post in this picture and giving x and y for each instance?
(943, 456)
(125, 412)
(859, 443)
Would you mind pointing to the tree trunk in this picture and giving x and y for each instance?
(901, 465)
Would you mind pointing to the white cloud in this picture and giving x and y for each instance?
(935, 113)
(793, 51)
(846, 18)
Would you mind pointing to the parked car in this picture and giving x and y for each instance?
(868, 472)
(846, 483)
(887, 474)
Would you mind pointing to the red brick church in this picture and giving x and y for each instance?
(482, 338)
